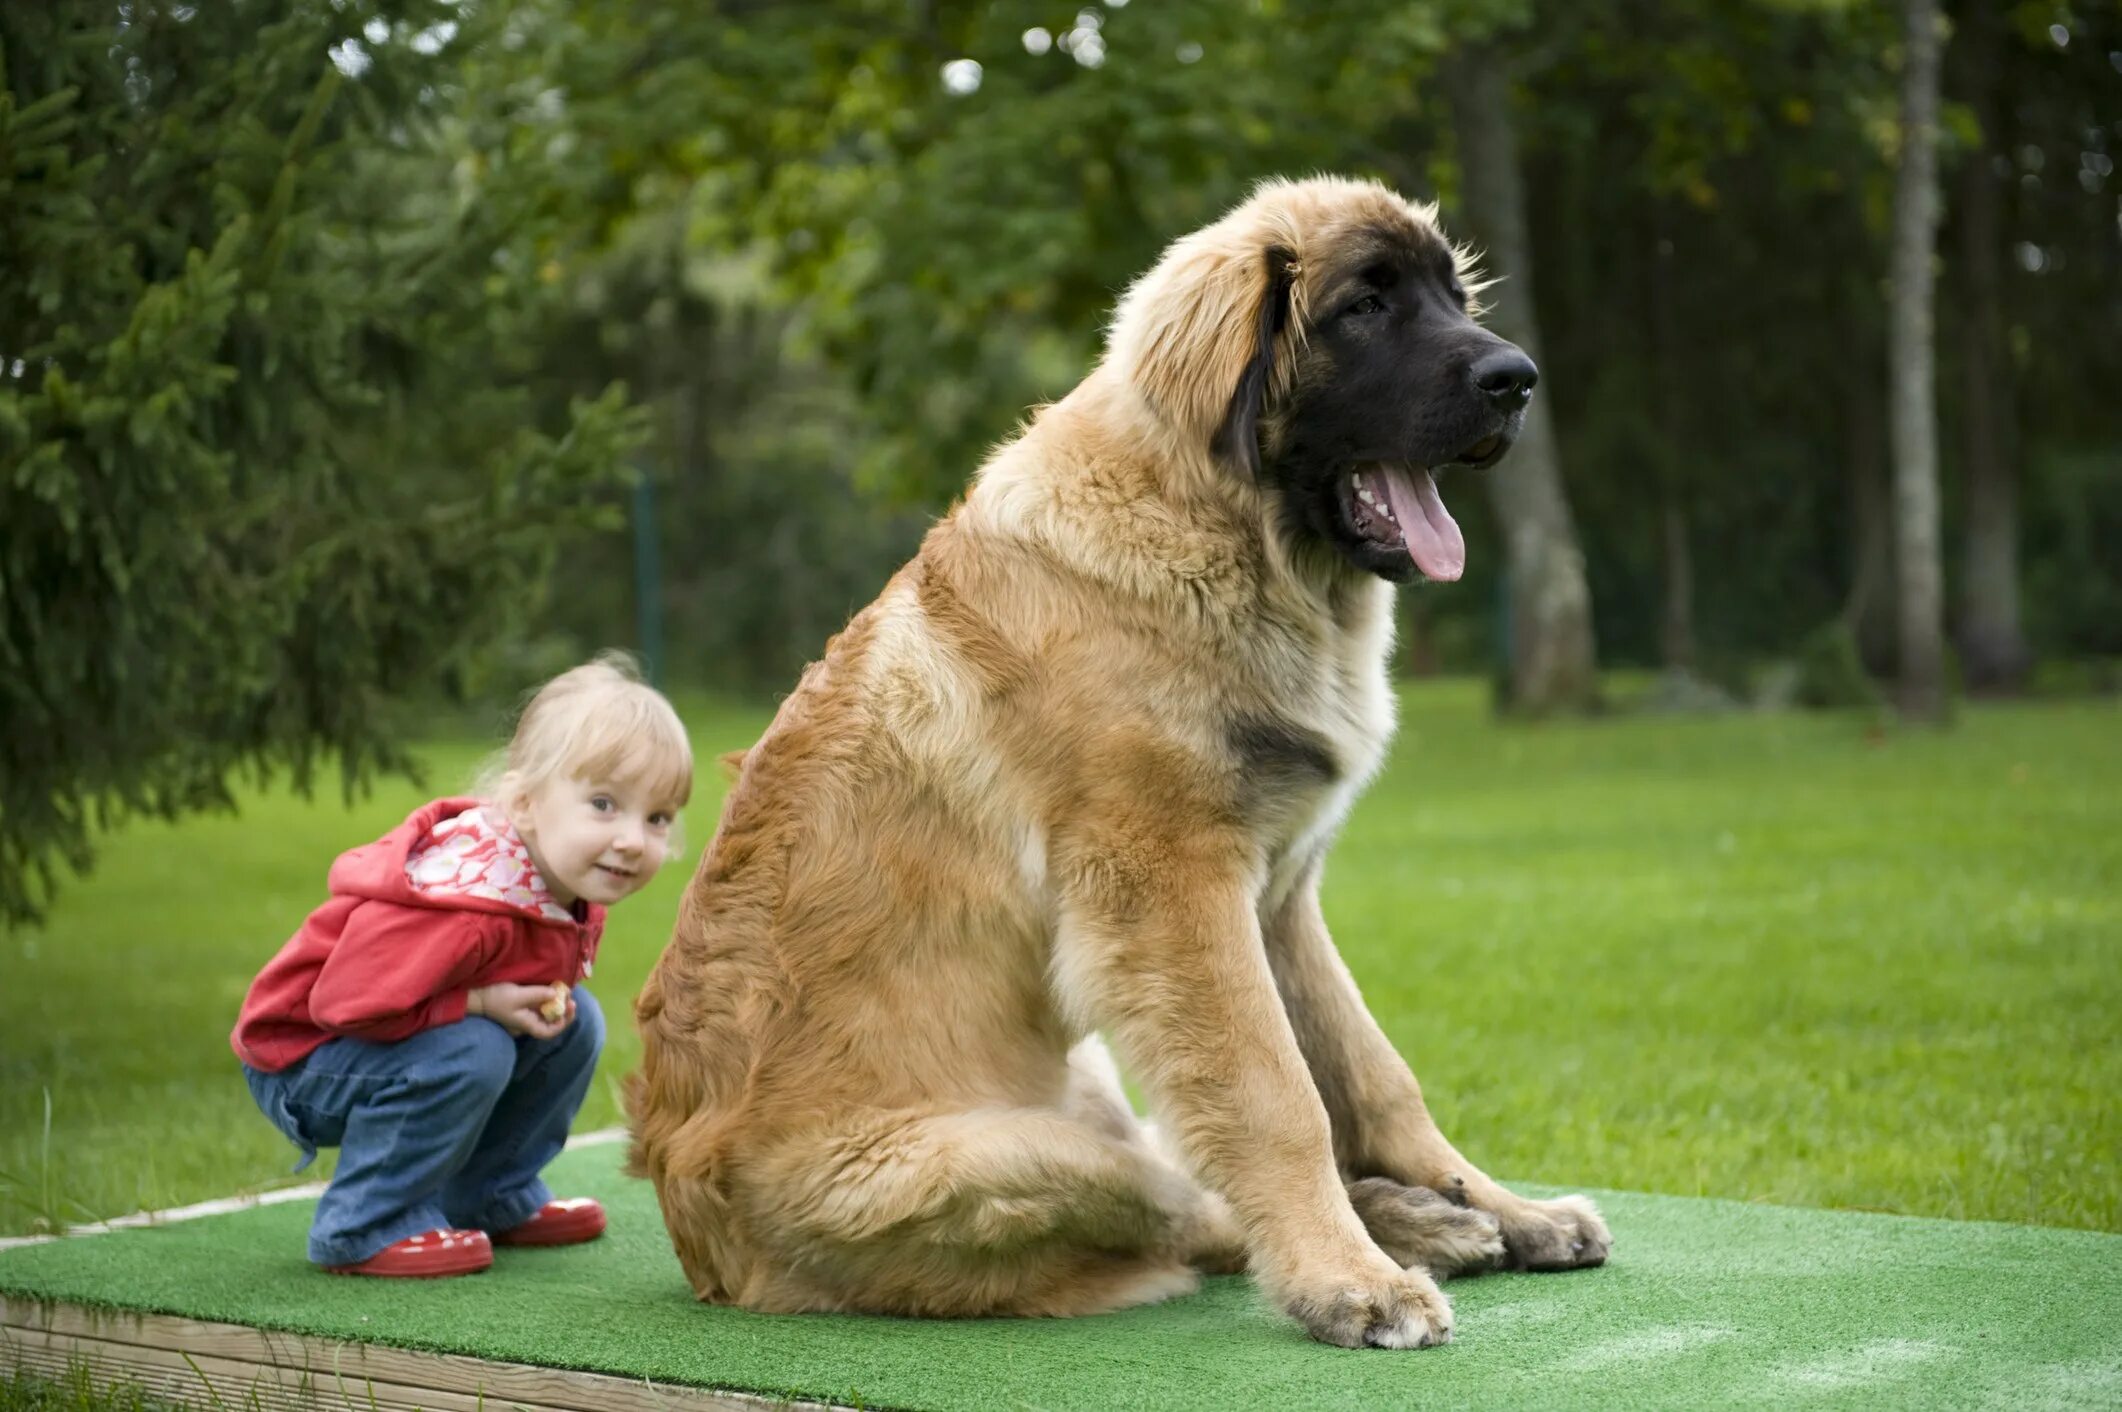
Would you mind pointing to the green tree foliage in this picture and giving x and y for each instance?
(1712, 190)
(287, 355)
(1708, 188)
(1709, 192)
(271, 454)
(2057, 147)
(843, 266)
(953, 195)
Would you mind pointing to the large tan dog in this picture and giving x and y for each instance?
(1075, 771)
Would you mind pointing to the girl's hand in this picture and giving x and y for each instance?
(517, 1008)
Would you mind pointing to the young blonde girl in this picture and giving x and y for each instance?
(430, 1019)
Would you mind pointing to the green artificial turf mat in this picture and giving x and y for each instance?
(1705, 1303)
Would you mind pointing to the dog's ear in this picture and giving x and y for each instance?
(1239, 436)
(1198, 336)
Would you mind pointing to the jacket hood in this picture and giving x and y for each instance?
(458, 854)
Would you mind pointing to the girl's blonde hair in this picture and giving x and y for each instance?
(598, 721)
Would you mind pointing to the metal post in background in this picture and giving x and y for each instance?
(648, 577)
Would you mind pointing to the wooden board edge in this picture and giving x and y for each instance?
(238, 1366)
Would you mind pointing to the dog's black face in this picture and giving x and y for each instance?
(1395, 382)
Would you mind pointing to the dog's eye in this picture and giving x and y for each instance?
(1459, 293)
(1368, 304)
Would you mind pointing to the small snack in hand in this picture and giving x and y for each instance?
(555, 1008)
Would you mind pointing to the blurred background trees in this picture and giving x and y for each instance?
(351, 351)
(276, 447)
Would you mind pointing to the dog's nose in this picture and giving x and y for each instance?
(1505, 375)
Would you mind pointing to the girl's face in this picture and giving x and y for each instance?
(596, 840)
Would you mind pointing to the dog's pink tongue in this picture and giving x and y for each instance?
(1433, 538)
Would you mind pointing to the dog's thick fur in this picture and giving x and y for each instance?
(1074, 771)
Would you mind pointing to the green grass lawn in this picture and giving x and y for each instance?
(1772, 958)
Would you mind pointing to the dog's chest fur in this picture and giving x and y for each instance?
(1306, 757)
(1188, 627)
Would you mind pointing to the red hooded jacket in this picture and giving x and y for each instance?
(392, 953)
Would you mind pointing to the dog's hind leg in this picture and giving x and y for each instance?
(986, 1212)
(1216, 1244)
(1095, 1096)
(1417, 1227)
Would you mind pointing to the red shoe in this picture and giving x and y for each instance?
(568, 1222)
(427, 1256)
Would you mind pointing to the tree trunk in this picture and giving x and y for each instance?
(1993, 650)
(1911, 357)
(1553, 664)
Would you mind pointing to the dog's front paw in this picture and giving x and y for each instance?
(1376, 1305)
(1564, 1234)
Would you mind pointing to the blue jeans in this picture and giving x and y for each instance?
(448, 1128)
